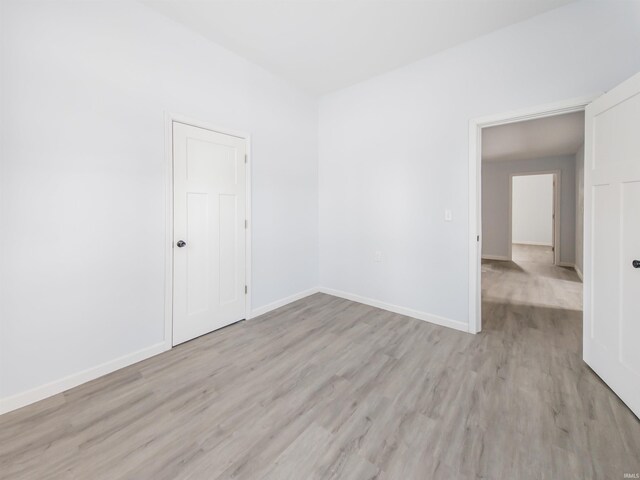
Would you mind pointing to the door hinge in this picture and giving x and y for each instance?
(246, 289)
(478, 238)
(246, 224)
(245, 158)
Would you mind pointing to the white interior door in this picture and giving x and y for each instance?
(208, 231)
(612, 240)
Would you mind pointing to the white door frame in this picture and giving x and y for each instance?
(170, 118)
(557, 178)
(475, 187)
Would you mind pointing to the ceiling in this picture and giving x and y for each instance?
(544, 137)
(325, 45)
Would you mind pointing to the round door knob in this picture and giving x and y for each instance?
(636, 264)
(181, 243)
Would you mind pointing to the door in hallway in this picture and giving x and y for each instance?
(209, 231)
(612, 240)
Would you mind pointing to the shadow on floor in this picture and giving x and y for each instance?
(518, 317)
(503, 264)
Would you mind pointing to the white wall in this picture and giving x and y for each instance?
(394, 149)
(495, 203)
(532, 210)
(85, 88)
(579, 210)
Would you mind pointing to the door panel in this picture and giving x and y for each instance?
(228, 252)
(209, 216)
(605, 267)
(198, 258)
(630, 335)
(612, 240)
(616, 136)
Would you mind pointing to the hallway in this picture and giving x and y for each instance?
(530, 280)
(532, 254)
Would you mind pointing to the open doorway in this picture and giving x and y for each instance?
(529, 187)
(606, 195)
(534, 230)
(547, 140)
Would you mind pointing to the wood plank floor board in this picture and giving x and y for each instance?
(326, 388)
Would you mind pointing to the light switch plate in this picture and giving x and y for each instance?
(448, 215)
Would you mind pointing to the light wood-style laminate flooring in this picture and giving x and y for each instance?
(326, 388)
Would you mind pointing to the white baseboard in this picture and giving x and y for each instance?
(579, 272)
(256, 312)
(496, 257)
(537, 244)
(427, 317)
(58, 386)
